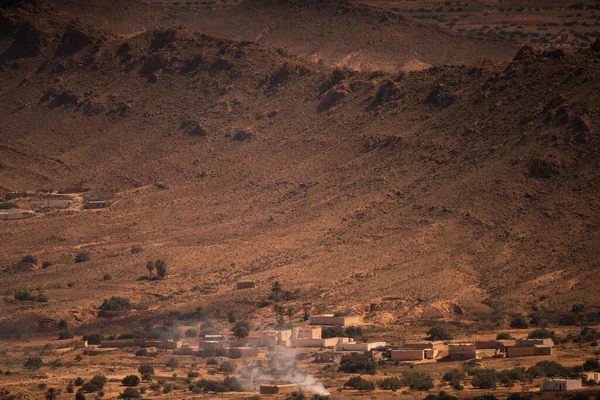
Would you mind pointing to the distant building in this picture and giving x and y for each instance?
(278, 389)
(81, 344)
(591, 376)
(246, 284)
(94, 204)
(407, 355)
(535, 342)
(330, 319)
(59, 203)
(560, 385)
(328, 357)
(462, 351)
(538, 350)
(15, 214)
(14, 195)
(353, 346)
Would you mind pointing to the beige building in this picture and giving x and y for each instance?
(560, 385)
(330, 319)
(81, 344)
(15, 214)
(307, 332)
(353, 346)
(408, 355)
(278, 389)
(538, 350)
(591, 376)
(535, 342)
(462, 351)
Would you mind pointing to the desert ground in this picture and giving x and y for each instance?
(415, 163)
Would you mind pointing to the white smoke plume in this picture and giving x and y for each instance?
(281, 369)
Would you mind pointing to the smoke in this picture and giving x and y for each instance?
(281, 369)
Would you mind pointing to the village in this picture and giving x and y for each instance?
(36, 203)
(328, 355)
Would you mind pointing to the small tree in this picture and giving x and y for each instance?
(227, 367)
(519, 323)
(172, 363)
(79, 395)
(359, 383)
(192, 332)
(161, 268)
(29, 259)
(438, 333)
(65, 334)
(241, 329)
(82, 256)
(276, 289)
(52, 394)
(131, 380)
(535, 320)
(115, 303)
(146, 369)
(576, 308)
(107, 277)
(130, 393)
(33, 363)
(504, 336)
(290, 313)
(150, 267)
(230, 316)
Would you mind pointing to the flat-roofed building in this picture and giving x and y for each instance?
(353, 346)
(330, 319)
(278, 389)
(408, 355)
(560, 385)
(462, 351)
(246, 284)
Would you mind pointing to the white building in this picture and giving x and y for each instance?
(560, 385)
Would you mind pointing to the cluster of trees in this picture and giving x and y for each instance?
(25, 295)
(338, 331)
(229, 384)
(413, 380)
(357, 364)
(116, 303)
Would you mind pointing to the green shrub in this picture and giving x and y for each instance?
(147, 377)
(417, 380)
(93, 338)
(65, 334)
(212, 361)
(130, 393)
(161, 268)
(115, 303)
(24, 295)
(591, 364)
(33, 363)
(353, 331)
(519, 323)
(192, 332)
(391, 383)
(540, 334)
(357, 364)
(334, 331)
(454, 374)
(29, 259)
(440, 396)
(504, 336)
(193, 374)
(568, 319)
(78, 381)
(79, 395)
(131, 380)
(359, 383)
(57, 363)
(82, 256)
(241, 329)
(484, 378)
(42, 298)
(107, 277)
(146, 369)
(47, 264)
(548, 369)
(438, 333)
(227, 367)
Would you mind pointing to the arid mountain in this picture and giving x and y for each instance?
(456, 193)
(336, 33)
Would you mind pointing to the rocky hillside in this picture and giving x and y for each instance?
(462, 193)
